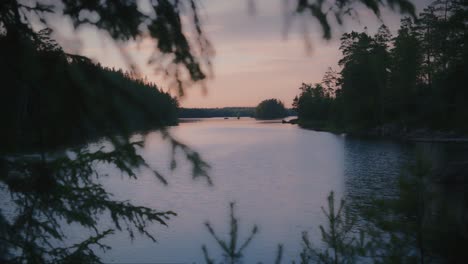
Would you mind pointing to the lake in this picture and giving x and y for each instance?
(279, 175)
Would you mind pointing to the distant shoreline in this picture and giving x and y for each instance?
(389, 131)
(220, 112)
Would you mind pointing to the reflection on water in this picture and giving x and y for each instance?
(278, 174)
(372, 167)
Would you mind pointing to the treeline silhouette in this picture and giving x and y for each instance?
(60, 91)
(222, 112)
(216, 112)
(51, 100)
(270, 109)
(394, 84)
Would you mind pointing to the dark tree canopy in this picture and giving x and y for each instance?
(187, 60)
(313, 103)
(414, 80)
(51, 102)
(54, 95)
(46, 90)
(270, 109)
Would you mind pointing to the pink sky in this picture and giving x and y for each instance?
(254, 61)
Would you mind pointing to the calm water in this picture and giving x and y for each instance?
(278, 174)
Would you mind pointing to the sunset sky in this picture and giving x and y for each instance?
(254, 59)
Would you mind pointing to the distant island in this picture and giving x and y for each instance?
(270, 109)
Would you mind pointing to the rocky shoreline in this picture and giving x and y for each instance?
(454, 173)
(390, 131)
(417, 135)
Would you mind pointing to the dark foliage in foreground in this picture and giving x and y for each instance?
(48, 193)
(46, 90)
(65, 100)
(341, 243)
(232, 251)
(184, 60)
(51, 101)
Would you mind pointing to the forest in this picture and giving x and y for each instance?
(395, 85)
(270, 109)
(70, 99)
